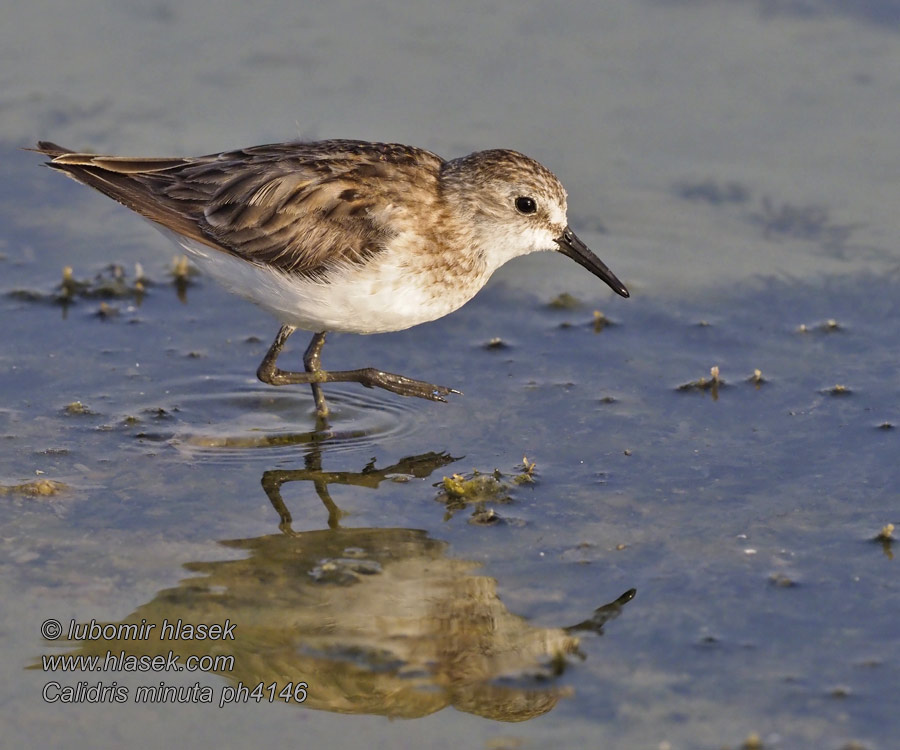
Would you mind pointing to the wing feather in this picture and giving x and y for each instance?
(302, 207)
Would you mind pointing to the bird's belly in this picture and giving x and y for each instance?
(375, 298)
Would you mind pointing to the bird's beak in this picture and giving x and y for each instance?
(570, 245)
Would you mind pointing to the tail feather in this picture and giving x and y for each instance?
(129, 181)
(49, 148)
(121, 164)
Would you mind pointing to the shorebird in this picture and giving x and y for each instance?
(344, 235)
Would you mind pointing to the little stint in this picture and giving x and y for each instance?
(344, 235)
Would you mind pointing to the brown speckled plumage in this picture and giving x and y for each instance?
(295, 206)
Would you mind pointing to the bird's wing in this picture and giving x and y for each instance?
(301, 207)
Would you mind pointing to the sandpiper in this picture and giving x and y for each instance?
(345, 235)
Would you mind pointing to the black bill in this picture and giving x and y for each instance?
(570, 245)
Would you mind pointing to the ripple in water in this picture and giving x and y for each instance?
(228, 421)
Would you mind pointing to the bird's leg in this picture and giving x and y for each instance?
(269, 372)
(312, 364)
(370, 377)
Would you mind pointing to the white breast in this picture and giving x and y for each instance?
(373, 298)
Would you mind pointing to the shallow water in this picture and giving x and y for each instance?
(732, 164)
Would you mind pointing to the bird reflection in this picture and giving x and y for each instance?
(374, 620)
(417, 467)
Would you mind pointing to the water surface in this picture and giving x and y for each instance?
(732, 162)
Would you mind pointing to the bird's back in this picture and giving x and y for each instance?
(298, 207)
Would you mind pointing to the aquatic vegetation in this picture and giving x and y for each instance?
(34, 488)
(459, 491)
(712, 384)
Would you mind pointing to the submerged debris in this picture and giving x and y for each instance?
(35, 488)
(702, 384)
(886, 539)
(69, 288)
(107, 311)
(756, 378)
(886, 534)
(76, 408)
(158, 412)
(600, 321)
(182, 272)
(476, 488)
(181, 269)
(782, 581)
(461, 490)
(564, 301)
(111, 283)
(526, 475)
(753, 742)
(485, 517)
(829, 326)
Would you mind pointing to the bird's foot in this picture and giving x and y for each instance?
(403, 386)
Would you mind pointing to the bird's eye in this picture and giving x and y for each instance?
(525, 205)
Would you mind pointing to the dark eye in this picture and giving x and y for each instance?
(525, 205)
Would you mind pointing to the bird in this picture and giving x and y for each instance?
(344, 235)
